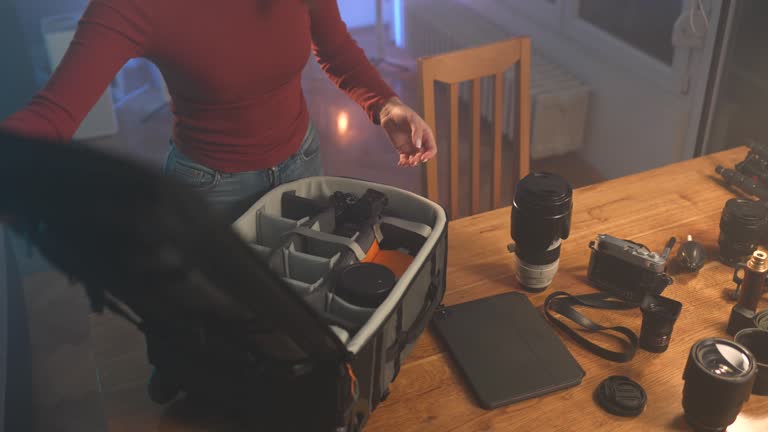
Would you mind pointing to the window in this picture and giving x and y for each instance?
(645, 24)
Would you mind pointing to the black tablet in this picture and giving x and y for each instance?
(506, 350)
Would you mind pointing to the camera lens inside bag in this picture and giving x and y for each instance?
(742, 226)
(365, 284)
(540, 220)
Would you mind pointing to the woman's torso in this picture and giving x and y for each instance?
(233, 70)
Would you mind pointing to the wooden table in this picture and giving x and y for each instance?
(676, 200)
(429, 394)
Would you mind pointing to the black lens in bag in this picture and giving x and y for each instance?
(365, 284)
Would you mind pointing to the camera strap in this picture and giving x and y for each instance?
(563, 303)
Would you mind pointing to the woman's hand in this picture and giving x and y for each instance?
(410, 135)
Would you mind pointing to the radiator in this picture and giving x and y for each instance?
(559, 101)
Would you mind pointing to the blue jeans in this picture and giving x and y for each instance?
(231, 194)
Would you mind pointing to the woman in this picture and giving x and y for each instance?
(233, 70)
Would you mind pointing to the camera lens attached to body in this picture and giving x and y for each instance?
(719, 376)
(743, 224)
(540, 221)
(659, 316)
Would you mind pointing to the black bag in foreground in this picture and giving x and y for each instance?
(228, 329)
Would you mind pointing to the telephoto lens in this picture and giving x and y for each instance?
(659, 316)
(540, 221)
(719, 376)
(743, 225)
(756, 341)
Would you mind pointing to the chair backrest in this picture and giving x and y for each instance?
(473, 64)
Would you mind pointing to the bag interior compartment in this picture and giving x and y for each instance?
(294, 227)
(402, 235)
(262, 251)
(268, 232)
(306, 268)
(354, 316)
(299, 207)
(319, 247)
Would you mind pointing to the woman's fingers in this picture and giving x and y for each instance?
(428, 146)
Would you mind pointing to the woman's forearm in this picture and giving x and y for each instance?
(344, 61)
(102, 44)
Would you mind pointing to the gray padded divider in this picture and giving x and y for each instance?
(265, 229)
(319, 248)
(418, 228)
(305, 268)
(389, 335)
(332, 239)
(349, 312)
(272, 229)
(341, 333)
(262, 251)
(300, 287)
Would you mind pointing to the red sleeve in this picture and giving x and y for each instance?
(109, 34)
(344, 61)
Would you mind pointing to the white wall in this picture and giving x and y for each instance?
(31, 13)
(362, 13)
(358, 13)
(633, 125)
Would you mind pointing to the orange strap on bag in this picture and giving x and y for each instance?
(396, 261)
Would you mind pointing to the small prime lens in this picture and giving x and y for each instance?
(719, 376)
(743, 224)
(540, 221)
(659, 316)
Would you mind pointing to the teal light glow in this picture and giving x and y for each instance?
(398, 18)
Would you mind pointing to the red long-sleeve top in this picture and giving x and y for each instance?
(233, 69)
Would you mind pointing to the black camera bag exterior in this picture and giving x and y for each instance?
(244, 348)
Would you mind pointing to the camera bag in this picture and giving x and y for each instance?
(241, 320)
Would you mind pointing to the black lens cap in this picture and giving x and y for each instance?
(621, 396)
(545, 193)
(365, 284)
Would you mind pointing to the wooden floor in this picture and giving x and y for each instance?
(362, 150)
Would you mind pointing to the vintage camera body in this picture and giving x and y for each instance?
(355, 214)
(626, 269)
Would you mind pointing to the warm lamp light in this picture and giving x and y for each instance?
(342, 123)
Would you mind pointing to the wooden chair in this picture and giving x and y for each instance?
(471, 65)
